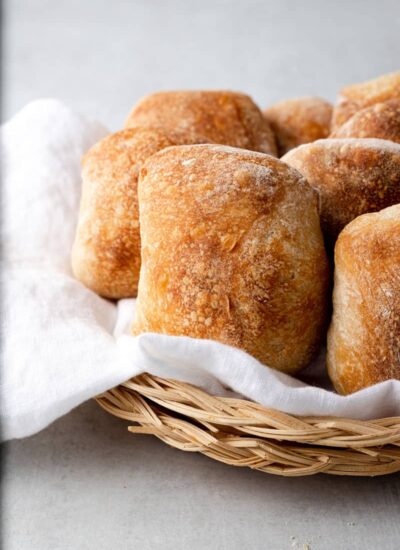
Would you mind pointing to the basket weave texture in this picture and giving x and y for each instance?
(242, 433)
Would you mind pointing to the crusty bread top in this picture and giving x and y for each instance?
(299, 120)
(376, 90)
(357, 96)
(381, 120)
(224, 117)
(352, 176)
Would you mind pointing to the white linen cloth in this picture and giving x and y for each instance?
(62, 344)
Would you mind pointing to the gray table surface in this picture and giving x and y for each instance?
(84, 482)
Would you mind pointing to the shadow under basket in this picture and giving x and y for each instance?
(242, 433)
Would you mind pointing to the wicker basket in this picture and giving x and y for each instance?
(242, 433)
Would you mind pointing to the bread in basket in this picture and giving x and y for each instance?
(244, 205)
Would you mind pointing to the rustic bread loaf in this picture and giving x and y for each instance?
(364, 336)
(378, 121)
(106, 251)
(358, 96)
(232, 251)
(352, 177)
(224, 117)
(298, 121)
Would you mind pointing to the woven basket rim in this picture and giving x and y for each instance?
(243, 433)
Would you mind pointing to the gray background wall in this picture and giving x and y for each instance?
(100, 56)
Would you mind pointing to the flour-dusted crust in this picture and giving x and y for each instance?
(106, 251)
(352, 177)
(232, 251)
(298, 121)
(358, 96)
(224, 117)
(364, 336)
(377, 121)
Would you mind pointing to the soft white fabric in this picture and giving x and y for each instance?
(62, 344)
(41, 150)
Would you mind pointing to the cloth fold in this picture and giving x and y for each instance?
(62, 344)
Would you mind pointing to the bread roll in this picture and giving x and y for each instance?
(232, 251)
(223, 117)
(352, 177)
(379, 121)
(364, 336)
(106, 251)
(298, 121)
(358, 96)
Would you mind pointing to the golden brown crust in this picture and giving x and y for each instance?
(358, 96)
(364, 336)
(377, 121)
(225, 117)
(352, 177)
(298, 121)
(106, 251)
(232, 251)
